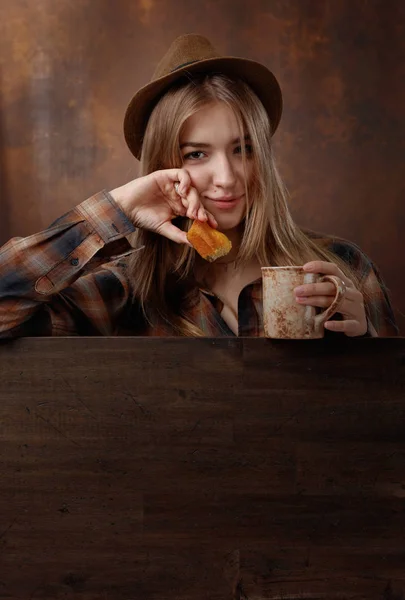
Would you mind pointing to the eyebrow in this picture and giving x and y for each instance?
(201, 145)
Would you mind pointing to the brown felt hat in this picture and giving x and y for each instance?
(194, 54)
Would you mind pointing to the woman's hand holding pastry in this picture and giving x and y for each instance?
(153, 201)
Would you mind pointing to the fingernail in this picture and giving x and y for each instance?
(299, 291)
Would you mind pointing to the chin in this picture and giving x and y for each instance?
(225, 223)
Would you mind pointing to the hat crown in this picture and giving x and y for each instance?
(186, 49)
(193, 55)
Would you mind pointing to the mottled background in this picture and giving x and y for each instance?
(68, 70)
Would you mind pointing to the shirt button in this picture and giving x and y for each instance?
(74, 262)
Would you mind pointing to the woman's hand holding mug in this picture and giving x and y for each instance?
(321, 295)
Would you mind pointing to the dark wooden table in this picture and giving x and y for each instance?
(223, 469)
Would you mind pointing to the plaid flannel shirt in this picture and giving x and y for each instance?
(56, 283)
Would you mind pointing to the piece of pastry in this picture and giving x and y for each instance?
(209, 243)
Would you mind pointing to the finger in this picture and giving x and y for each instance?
(173, 182)
(323, 302)
(184, 182)
(194, 203)
(202, 214)
(211, 220)
(185, 202)
(327, 268)
(178, 204)
(352, 299)
(316, 289)
(351, 328)
(179, 191)
(178, 209)
(173, 233)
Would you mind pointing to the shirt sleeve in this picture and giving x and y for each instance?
(47, 286)
(380, 315)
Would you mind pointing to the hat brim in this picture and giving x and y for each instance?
(257, 76)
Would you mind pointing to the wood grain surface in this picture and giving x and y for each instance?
(177, 469)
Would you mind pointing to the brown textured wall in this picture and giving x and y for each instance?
(68, 69)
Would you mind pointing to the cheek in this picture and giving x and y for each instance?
(244, 174)
(248, 172)
(199, 178)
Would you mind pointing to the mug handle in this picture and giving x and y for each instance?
(322, 317)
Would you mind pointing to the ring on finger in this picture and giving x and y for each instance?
(342, 288)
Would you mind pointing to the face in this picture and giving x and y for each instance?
(211, 150)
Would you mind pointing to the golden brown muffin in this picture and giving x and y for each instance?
(209, 243)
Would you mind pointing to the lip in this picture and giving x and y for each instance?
(225, 203)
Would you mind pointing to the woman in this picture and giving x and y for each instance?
(202, 129)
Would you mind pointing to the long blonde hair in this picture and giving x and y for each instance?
(163, 276)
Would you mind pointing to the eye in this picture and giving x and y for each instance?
(248, 149)
(196, 155)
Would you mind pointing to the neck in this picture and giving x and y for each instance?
(224, 269)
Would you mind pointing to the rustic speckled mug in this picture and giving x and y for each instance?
(283, 317)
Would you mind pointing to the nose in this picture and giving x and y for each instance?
(224, 175)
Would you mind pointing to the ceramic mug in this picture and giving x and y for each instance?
(283, 316)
